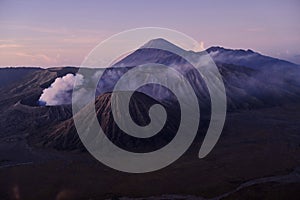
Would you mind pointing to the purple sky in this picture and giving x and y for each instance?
(57, 32)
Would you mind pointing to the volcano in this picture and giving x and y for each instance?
(260, 82)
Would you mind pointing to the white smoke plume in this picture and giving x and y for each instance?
(60, 91)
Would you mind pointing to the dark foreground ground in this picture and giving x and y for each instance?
(257, 157)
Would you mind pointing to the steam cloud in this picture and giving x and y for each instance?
(60, 91)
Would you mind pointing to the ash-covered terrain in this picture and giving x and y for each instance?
(257, 156)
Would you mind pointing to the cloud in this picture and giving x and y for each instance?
(10, 45)
(200, 47)
(34, 57)
(60, 91)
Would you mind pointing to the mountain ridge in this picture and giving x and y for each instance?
(164, 44)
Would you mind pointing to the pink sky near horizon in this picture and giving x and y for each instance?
(59, 33)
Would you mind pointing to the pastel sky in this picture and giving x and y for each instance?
(62, 32)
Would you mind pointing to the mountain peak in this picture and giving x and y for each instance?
(222, 49)
(215, 48)
(160, 43)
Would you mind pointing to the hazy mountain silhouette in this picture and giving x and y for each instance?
(259, 82)
(251, 81)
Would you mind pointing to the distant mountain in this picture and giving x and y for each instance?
(251, 81)
(161, 43)
(11, 75)
(154, 51)
(246, 58)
